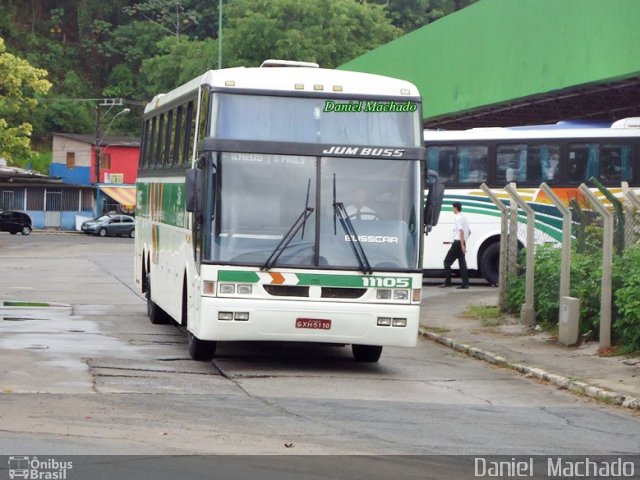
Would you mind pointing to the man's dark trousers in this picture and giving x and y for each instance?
(455, 253)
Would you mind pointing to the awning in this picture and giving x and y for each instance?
(124, 195)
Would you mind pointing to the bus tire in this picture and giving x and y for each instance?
(490, 263)
(201, 350)
(366, 353)
(157, 316)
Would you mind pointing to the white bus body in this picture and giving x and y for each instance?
(563, 155)
(254, 243)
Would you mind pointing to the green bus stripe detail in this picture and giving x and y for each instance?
(323, 280)
(238, 276)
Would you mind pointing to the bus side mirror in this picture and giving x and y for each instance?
(433, 205)
(194, 190)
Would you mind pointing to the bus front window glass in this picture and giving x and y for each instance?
(255, 211)
(382, 201)
(472, 164)
(311, 120)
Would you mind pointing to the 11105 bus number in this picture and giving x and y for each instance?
(386, 282)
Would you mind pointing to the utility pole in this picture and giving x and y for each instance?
(219, 34)
(102, 102)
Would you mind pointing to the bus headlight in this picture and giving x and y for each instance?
(225, 316)
(384, 321)
(227, 288)
(400, 294)
(244, 289)
(399, 322)
(383, 294)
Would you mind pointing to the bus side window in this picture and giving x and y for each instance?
(615, 163)
(472, 164)
(443, 161)
(511, 163)
(544, 164)
(583, 162)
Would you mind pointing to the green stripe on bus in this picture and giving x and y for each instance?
(241, 276)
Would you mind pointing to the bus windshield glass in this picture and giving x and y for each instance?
(316, 120)
(263, 197)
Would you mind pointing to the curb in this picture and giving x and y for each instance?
(575, 386)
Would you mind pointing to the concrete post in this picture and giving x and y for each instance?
(512, 245)
(527, 312)
(607, 260)
(504, 234)
(569, 314)
(565, 270)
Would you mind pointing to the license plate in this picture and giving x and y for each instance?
(314, 323)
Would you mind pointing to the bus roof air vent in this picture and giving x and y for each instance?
(288, 63)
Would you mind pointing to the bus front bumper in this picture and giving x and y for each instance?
(301, 321)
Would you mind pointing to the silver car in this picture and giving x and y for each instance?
(110, 225)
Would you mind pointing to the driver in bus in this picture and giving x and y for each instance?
(358, 210)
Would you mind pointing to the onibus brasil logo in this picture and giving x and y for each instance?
(37, 469)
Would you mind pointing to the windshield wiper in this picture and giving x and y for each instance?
(290, 235)
(339, 211)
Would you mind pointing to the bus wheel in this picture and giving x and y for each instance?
(490, 263)
(366, 353)
(155, 313)
(201, 350)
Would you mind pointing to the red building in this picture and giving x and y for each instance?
(74, 162)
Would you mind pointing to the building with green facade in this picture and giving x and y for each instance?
(515, 62)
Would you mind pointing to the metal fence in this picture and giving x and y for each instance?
(600, 225)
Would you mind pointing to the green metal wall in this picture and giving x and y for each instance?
(498, 50)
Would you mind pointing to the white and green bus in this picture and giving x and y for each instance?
(563, 155)
(247, 222)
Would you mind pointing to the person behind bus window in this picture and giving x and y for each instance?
(551, 171)
(358, 209)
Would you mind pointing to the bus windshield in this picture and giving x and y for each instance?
(262, 197)
(314, 120)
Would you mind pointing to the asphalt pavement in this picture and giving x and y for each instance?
(446, 318)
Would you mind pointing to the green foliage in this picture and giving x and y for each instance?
(38, 162)
(586, 274)
(546, 286)
(181, 61)
(20, 83)
(328, 32)
(627, 298)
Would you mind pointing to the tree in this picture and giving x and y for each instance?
(20, 83)
(329, 32)
(182, 61)
(172, 16)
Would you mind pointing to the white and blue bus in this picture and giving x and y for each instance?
(563, 155)
(246, 208)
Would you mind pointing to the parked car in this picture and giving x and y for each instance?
(14, 222)
(110, 225)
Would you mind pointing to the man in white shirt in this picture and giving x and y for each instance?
(458, 248)
(358, 210)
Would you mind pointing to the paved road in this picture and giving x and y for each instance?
(99, 378)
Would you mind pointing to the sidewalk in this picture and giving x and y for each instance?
(536, 354)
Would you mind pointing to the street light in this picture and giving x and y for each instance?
(99, 136)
